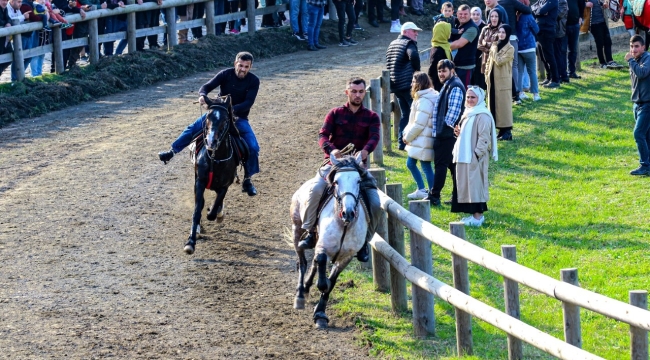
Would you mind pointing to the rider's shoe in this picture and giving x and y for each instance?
(309, 242)
(248, 187)
(364, 253)
(166, 155)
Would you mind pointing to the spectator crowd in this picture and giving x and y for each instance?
(482, 63)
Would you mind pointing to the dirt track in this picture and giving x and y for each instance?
(92, 226)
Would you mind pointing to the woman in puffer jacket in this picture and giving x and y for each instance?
(418, 134)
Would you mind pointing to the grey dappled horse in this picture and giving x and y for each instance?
(342, 227)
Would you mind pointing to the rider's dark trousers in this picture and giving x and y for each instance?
(195, 129)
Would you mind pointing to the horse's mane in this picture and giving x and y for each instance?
(346, 162)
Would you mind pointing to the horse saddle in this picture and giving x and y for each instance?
(241, 148)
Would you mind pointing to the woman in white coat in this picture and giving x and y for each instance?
(418, 134)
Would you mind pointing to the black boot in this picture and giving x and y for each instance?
(247, 187)
(500, 134)
(507, 136)
(433, 200)
(166, 155)
(309, 242)
(364, 253)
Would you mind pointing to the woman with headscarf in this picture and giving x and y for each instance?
(477, 17)
(418, 134)
(489, 36)
(440, 50)
(476, 140)
(498, 75)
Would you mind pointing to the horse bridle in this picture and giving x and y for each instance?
(339, 197)
(221, 136)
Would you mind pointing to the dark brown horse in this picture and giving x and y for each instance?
(216, 162)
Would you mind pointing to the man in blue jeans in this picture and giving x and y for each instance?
(242, 86)
(639, 61)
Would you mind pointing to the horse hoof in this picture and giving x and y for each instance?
(211, 217)
(189, 249)
(321, 324)
(220, 216)
(299, 303)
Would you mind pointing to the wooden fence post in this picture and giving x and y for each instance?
(57, 50)
(19, 62)
(639, 337)
(424, 321)
(93, 45)
(397, 114)
(511, 296)
(386, 110)
(172, 37)
(464, 342)
(250, 15)
(380, 266)
(571, 313)
(209, 18)
(130, 29)
(375, 104)
(398, 296)
(366, 98)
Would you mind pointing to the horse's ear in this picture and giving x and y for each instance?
(334, 161)
(358, 158)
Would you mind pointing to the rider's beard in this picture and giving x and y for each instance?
(355, 101)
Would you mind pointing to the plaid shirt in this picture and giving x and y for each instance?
(453, 109)
(342, 127)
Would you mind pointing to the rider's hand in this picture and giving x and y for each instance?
(364, 155)
(202, 99)
(335, 153)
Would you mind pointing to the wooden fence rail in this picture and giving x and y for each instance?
(94, 39)
(567, 290)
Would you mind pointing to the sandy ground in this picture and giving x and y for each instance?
(92, 226)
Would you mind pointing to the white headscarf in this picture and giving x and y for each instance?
(463, 147)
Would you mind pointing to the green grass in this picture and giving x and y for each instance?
(562, 194)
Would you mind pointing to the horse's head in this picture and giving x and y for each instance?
(217, 121)
(345, 177)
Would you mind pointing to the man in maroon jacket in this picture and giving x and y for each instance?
(348, 124)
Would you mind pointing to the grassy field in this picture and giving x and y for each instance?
(561, 192)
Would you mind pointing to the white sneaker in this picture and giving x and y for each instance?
(536, 97)
(471, 221)
(419, 194)
(395, 27)
(523, 96)
(243, 28)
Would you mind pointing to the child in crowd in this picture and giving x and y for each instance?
(447, 15)
(41, 10)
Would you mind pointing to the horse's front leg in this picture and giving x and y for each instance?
(320, 318)
(217, 211)
(199, 202)
(301, 291)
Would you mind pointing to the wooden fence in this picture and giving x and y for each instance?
(94, 39)
(423, 233)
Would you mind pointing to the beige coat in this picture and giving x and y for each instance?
(419, 131)
(472, 179)
(500, 62)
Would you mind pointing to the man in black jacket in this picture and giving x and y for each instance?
(5, 21)
(546, 16)
(573, 22)
(402, 60)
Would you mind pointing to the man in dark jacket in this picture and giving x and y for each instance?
(402, 60)
(5, 21)
(560, 44)
(546, 16)
(639, 61)
(466, 43)
(446, 114)
(512, 7)
(573, 22)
